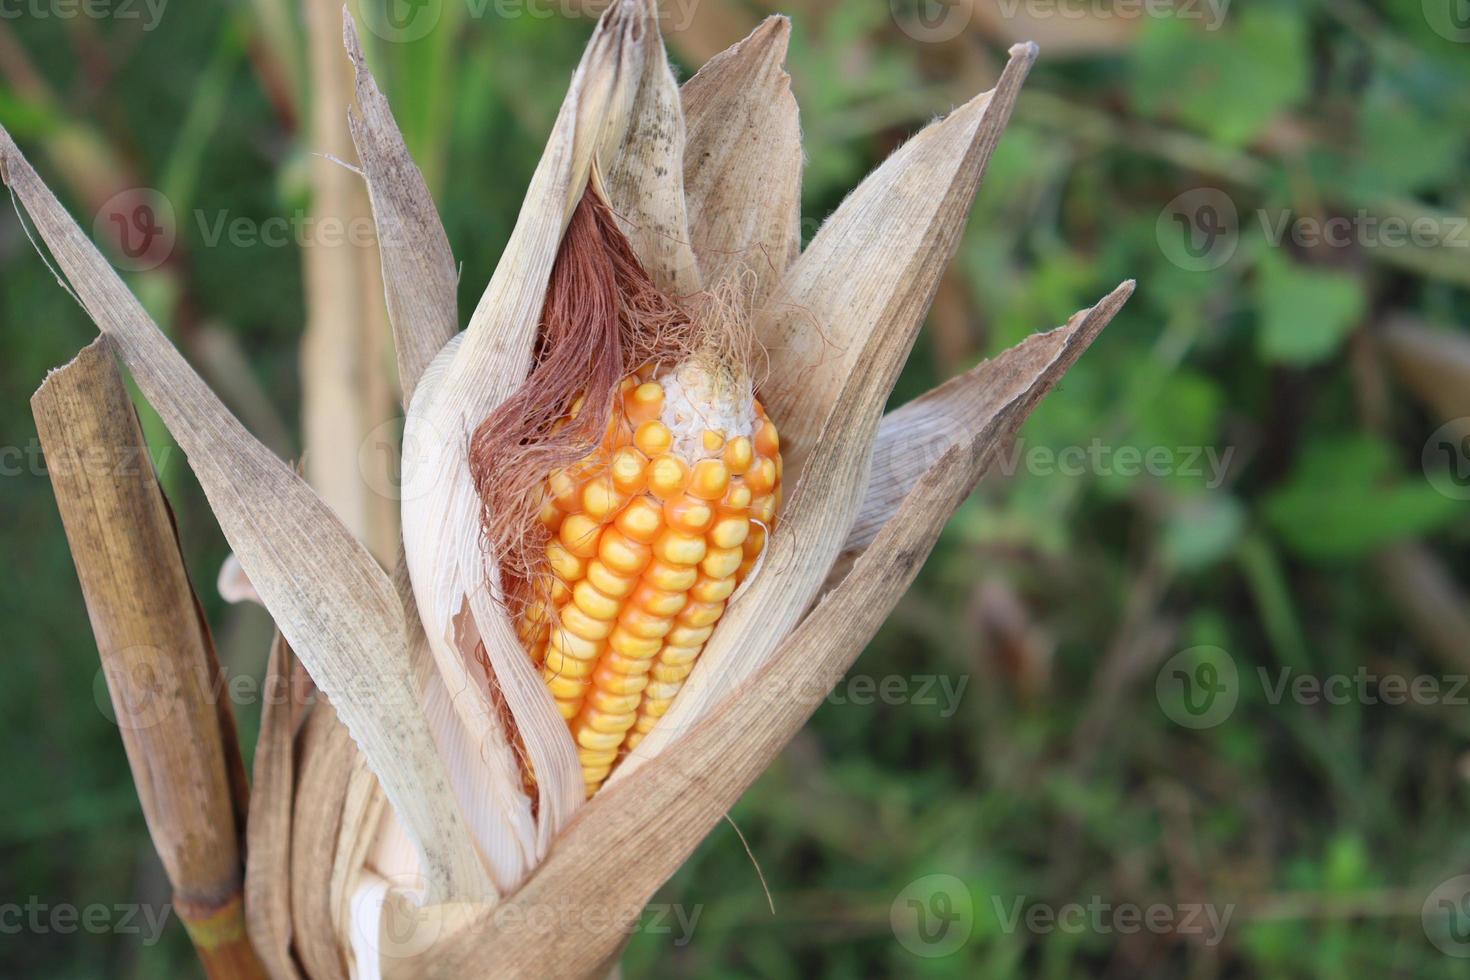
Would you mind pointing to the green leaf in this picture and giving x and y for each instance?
(1346, 499)
(1304, 312)
(1229, 82)
(1407, 146)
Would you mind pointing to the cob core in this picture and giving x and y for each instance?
(649, 536)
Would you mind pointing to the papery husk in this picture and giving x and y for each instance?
(639, 830)
(420, 277)
(441, 511)
(155, 648)
(743, 161)
(326, 593)
(268, 834)
(837, 332)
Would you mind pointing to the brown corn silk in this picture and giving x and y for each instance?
(622, 520)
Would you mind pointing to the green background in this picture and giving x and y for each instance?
(1058, 594)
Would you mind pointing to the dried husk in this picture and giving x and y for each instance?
(327, 594)
(637, 832)
(155, 649)
(742, 163)
(837, 331)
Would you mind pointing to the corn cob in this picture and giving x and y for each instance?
(649, 536)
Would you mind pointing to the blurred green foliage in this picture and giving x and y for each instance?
(1059, 592)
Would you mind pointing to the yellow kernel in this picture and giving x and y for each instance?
(666, 476)
(653, 438)
(688, 636)
(709, 479)
(661, 692)
(764, 509)
(549, 514)
(767, 443)
(643, 624)
(657, 601)
(565, 564)
(669, 577)
(699, 614)
(571, 645)
(626, 646)
(670, 673)
(561, 665)
(688, 514)
(712, 441)
(674, 654)
(600, 499)
(565, 688)
(579, 533)
(739, 455)
(627, 470)
(574, 620)
(712, 589)
(645, 402)
(590, 739)
(738, 497)
(679, 549)
(641, 520)
(616, 683)
(622, 554)
(609, 582)
(612, 703)
(594, 603)
(561, 593)
(762, 477)
(722, 562)
(729, 531)
(563, 490)
(598, 757)
(601, 721)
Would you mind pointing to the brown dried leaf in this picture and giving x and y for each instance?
(637, 832)
(327, 595)
(419, 274)
(742, 161)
